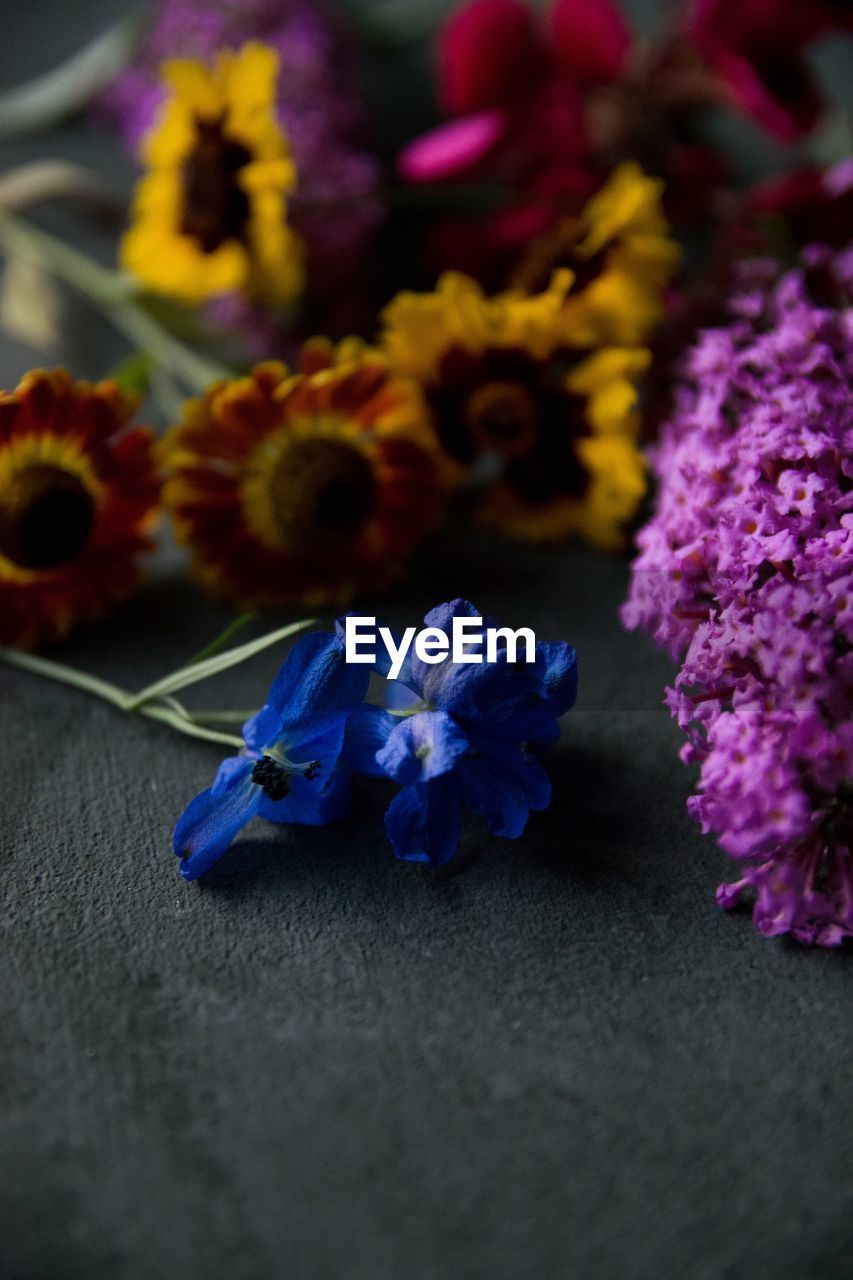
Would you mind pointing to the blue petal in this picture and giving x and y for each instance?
(263, 729)
(422, 747)
(443, 614)
(436, 682)
(468, 689)
(397, 696)
(367, 732)
(210, 822)
(325, 747)
(315, 686)
(503, 785)
(561, 673)
(547, 738)
(519, 702)
(382, 665)
(313, 803)
(422, 821)
(504, 699)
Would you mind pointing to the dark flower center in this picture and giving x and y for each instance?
(271, 778)
(274, 778)
(553, 469)
(323, 491)
(215, 206)
(503, 417)
(506, 401)
(47, 519)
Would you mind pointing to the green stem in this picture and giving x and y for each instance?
(210, 717)
(223, 639)
(167, 393)
(115, 295)
(193, 730)
(203, 670)
(103, 286)
(44, 102)
(157, 701)
(222, 717)
(67, 675)
(143, 331)
(117, 697)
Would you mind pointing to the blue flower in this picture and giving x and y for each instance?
(463, 734)
(290, 768)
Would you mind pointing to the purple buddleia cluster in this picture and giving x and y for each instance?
(336, 205)
(745, 572)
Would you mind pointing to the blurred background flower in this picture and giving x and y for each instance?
(78, 502)
(211, 216)
(337, 204)
(757, 48)
(541, 104)
(308, 488)
(547, 432)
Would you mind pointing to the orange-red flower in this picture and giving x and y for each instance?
(78, 497)
(304, 487)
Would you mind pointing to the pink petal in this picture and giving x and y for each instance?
(452, 149)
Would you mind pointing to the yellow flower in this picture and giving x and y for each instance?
(304, 487)
(78, 499)
(622, 257)
(210, 215)
(552, 429)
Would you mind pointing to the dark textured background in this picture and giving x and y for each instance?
(554, 1059)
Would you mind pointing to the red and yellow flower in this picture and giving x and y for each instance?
(305, 487)
(78, 499)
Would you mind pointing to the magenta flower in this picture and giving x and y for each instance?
(746, 570)
(756, 46)
(513, 85)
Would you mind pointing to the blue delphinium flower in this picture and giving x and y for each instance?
(290, 768)
(463, 734)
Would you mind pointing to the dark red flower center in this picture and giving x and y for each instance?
(505, 401)
(502, 417)
(215, 206)
(47, 519)
(323, 491)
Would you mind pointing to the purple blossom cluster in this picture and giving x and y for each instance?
(335, 206)
(746, 573)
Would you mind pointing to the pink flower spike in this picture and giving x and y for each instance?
(452, 149)
(590, 40)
